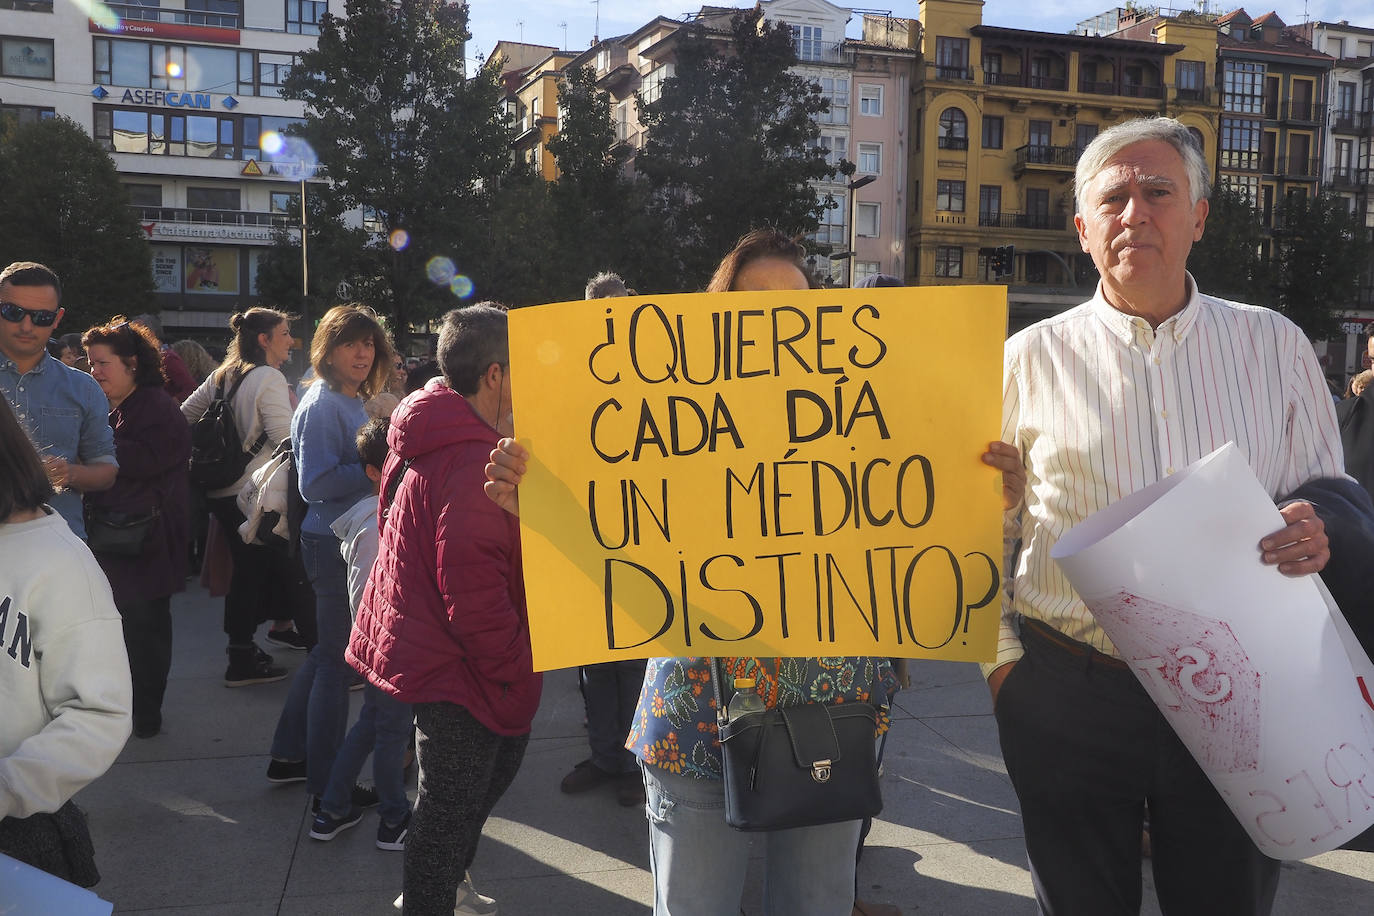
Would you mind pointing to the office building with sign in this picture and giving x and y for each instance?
(182, 95)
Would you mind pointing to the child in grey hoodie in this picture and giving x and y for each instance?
(384, 723)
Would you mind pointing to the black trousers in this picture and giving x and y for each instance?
(465, 768)
(267, 584)
(148, 640)
(1086, 748)
(611, 691)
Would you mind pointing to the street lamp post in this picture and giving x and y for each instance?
(854, 222)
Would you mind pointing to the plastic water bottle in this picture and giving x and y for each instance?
(746, 698)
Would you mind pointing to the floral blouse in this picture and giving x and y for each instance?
(674, 725)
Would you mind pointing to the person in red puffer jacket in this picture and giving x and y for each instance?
(443, 623)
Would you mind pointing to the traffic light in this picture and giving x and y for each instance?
(1004, 261)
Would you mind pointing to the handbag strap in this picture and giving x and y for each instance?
(718, 681)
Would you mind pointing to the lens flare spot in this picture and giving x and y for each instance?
(440, 270)
(461, 286)
(399, 239)
(174, 69)
(549, 353)
(98, 13)
(290, 156)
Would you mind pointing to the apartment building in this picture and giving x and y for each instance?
(1273, 111)
(867, 82)
(529, 77)
(181, 93)
(1001, 116)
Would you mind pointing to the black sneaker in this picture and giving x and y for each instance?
(393, 838)
(586, 775)
(287, 639)
(365, 797)
(283, 771)
(251, 665)
(326, 827)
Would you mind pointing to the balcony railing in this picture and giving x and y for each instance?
(953, 143)
(998, 78)
(1345, 120)
(822, 52)
(1009, 220)
(1141, 91)
(1298, 167)
(181, 17)
(1056, 83)
(1132, 90)
(1312, 112)
(1047, 155)
(953, 73)
(212, 217)
(1344, 176)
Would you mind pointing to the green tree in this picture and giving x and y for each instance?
(68, 210)
(1321, 249)
(732, 144)
(600, 214)
(400, 130)
(1229, 260)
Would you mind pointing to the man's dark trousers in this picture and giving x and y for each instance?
(1086, 748)
(612, 693)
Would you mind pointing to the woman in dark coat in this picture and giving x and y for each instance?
(153, 447)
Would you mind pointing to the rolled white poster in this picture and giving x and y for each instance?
(1257, 672)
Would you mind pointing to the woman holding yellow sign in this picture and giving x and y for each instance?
(699, 862)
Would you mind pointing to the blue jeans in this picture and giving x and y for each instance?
(315, 717)
(699, 861)
(383, 730)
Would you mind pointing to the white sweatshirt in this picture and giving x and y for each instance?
(64, 675)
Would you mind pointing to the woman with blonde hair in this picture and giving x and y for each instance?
(352, 358)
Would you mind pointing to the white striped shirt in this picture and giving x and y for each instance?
(1100, 405)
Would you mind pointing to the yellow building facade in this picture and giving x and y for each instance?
(1001, 116)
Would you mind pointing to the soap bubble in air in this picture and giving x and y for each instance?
(440, 270)
(398, 239)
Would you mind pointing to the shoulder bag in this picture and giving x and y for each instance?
(799, 766)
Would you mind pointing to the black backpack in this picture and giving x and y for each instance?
(218, 458)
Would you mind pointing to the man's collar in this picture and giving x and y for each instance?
(9, 364)
(1127, 326)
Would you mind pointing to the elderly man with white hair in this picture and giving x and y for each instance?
(1103, 400)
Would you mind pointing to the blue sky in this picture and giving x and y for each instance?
(543, 22)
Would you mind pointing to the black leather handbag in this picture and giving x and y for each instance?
(120, 534)
(799, 766)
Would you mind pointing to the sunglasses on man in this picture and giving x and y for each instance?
(41, 318)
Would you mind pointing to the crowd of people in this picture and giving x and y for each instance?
(402, 568)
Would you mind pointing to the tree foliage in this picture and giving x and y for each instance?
(732, 144)
(1321, 250)
(401, 130)
(68, 210)
(600, 214)
(1229, 260)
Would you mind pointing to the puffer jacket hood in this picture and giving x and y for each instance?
(443, 616)
(433, 418)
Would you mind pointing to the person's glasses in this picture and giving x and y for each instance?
(41, 318)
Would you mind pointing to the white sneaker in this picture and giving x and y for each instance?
(467, 903)
(471, 903)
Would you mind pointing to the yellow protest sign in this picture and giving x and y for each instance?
(768, 473)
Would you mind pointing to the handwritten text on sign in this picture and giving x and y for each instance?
(783, 473)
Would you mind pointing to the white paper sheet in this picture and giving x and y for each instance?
(1257, 672)
(27, 891)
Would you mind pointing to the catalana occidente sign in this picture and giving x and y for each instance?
(202, 232)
